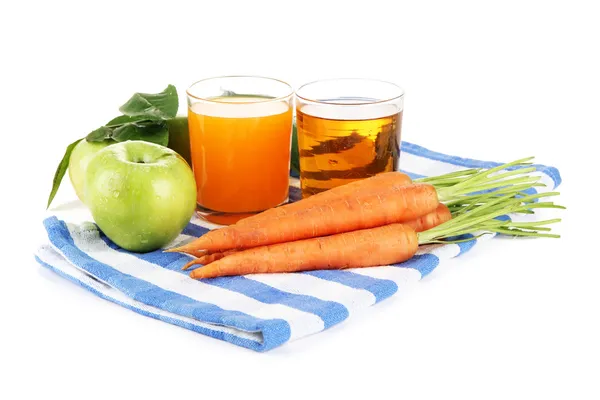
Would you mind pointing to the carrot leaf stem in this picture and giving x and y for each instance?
(501, 179)
(483, 218)
(460, 174)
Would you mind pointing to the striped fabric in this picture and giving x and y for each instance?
(261, 311)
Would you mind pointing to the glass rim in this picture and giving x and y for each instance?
(357, 103)
(279, 98)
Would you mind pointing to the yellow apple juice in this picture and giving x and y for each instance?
(342, 147)
(240, 148)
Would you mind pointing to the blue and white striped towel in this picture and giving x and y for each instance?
(259, 312)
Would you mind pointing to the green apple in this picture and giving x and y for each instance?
(80, 157)
(141, 194)
(84, 151)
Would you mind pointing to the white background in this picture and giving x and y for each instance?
(488, 80)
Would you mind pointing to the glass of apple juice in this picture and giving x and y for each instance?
(240, 139)
(348, 129)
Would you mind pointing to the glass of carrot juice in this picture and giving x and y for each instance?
(240, 139)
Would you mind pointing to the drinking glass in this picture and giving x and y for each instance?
(240, 138)
(348, 129)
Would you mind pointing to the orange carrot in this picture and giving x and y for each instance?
(383, 245)
(355, 188)
(388, 205)
(367, 229)
(440, 215)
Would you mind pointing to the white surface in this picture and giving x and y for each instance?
(511, 319)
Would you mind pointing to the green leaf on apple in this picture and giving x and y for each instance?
(99, 135)
(61, 170)
(124, 119)
(150, 132)
(163, 105)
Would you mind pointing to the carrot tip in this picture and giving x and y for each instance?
(196, 253)
(194, 275)
(190, 264)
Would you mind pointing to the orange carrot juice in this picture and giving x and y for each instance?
(240, 149)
